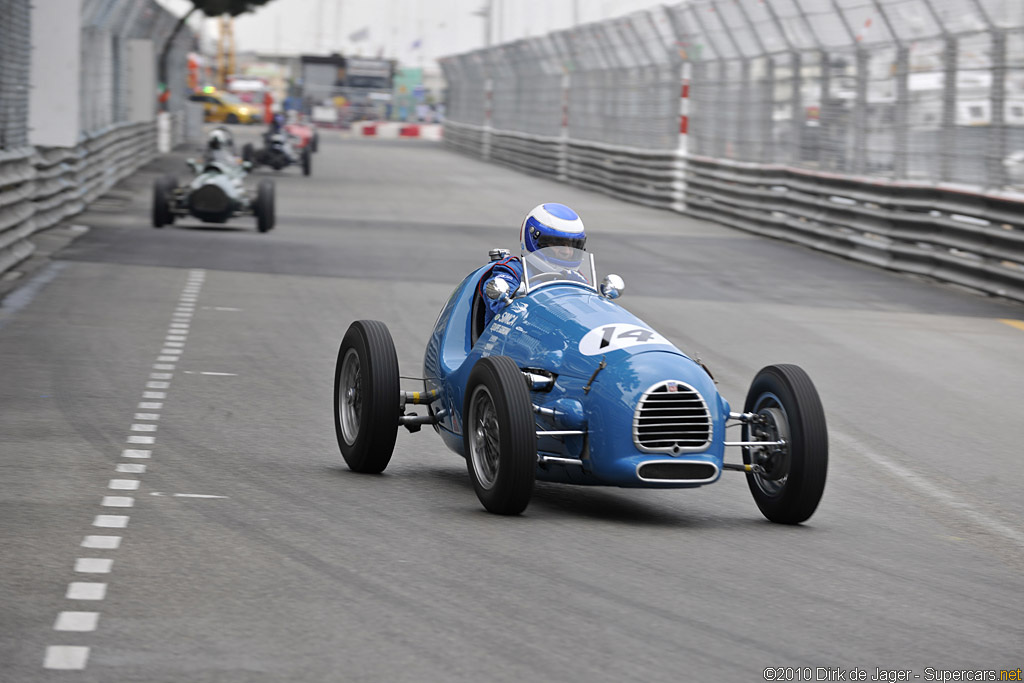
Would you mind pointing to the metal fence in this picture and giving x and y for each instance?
(107, 26)
(890, 131)
(14, 76)
(929, 90)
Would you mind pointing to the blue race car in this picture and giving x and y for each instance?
(564, 385)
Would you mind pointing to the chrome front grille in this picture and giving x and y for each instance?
(671, 417)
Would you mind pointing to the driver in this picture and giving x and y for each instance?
(547, 225)
(219, 145)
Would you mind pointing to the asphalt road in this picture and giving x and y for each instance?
(240, 548)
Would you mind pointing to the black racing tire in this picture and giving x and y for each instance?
(249, 153)
(789, 491)
(163, 189)
(307, 161)
(231, 118)
(264, 206)
(171, 183)
(499, 435)
(367, 397)
(314, 144)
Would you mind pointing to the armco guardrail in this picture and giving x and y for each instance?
(945, 232)
(644, 176)
(17, 186)
(39, 187)
(950, 233)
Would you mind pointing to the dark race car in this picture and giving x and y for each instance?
(216, 194)
(279, 151)
(565, 385)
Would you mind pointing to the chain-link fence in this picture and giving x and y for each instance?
(107, 26)
(14, 74)
(929, 90)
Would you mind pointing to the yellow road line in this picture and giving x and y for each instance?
(1019, 324)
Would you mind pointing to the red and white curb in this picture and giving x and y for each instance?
(396, 129)
(141, 440)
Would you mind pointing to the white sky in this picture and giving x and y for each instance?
(444, 27)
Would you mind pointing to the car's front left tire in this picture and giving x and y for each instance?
(307, 161)
(163, 192)
(367, 398)
(499, 435)
(791, 479)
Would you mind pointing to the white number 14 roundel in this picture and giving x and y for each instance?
(618, 336)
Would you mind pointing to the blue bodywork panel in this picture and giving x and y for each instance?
(568, 329)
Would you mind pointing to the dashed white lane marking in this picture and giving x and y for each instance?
(214, 374)
(111, 521)
(76, 621)
(86, 590)
(67, 657)
(220, 308)
(185, 495)
(104, 542)
(93, 565)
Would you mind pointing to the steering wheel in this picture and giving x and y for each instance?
(546, 277)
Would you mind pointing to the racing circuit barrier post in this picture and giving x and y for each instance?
(78, 130)
(890, 132)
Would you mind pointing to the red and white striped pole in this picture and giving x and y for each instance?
(679, 186)
(684, 109)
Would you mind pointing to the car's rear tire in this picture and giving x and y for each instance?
(231, 118)
(314, 144)
(163, 192)
(264, 206)
(307, 161)
(249, 153)
(367, 397)
(500, 435)
(789, 490)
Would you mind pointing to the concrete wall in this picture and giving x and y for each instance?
(56, 61)
(141, 80)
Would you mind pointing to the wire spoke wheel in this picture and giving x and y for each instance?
(350, 398)
(484, 437)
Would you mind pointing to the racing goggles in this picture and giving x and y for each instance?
(543, 240)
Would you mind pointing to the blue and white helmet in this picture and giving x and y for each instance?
(549, 225)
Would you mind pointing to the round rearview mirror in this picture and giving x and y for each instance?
(497, 288)
(612, 286)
